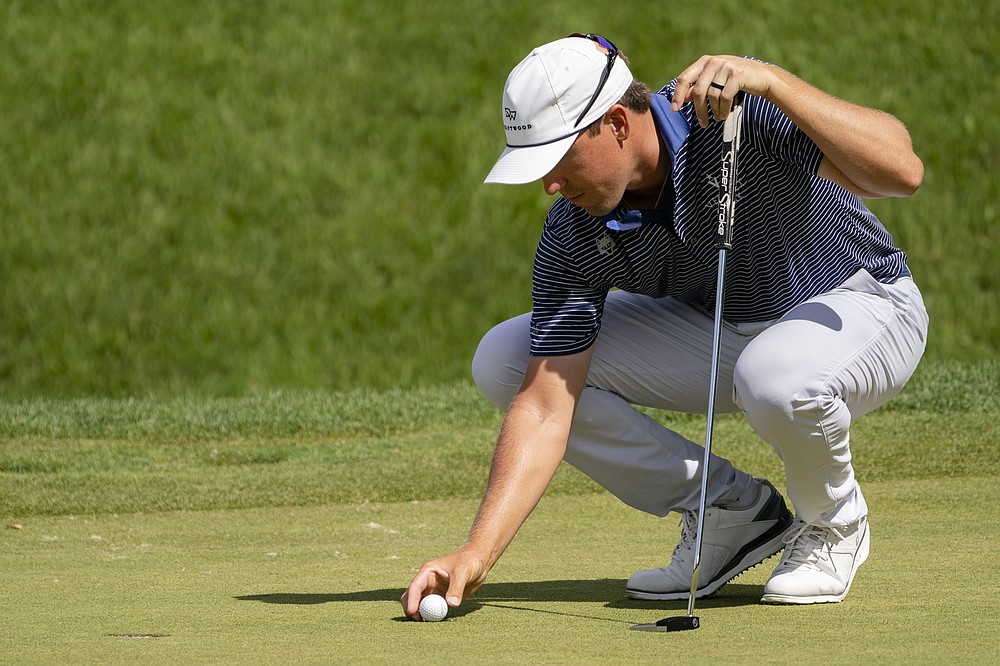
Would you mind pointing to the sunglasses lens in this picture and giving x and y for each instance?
(606, 43)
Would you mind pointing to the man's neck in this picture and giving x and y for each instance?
(653, 170)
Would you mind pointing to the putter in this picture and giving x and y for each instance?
(723, 242)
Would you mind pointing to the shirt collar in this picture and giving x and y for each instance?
(672, 125)
(674, 129)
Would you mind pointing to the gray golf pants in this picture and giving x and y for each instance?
(800, 380)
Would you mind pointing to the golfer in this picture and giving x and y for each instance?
(822, 323)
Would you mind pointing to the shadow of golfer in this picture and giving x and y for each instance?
(608, 591)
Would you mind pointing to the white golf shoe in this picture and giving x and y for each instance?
(818, 564)
(732, 542)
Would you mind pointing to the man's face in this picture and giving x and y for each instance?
(590, 173)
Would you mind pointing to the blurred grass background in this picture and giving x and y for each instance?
(234, 197)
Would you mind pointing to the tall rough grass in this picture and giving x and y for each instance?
(231, 197)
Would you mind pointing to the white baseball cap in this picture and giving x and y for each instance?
(546, 99)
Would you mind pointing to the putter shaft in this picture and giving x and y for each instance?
(723, 242)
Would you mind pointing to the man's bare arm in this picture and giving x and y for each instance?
(531, 444)
(866, 151)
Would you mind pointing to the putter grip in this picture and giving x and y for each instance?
(727, 181)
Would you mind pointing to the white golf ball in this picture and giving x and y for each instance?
(433, 608)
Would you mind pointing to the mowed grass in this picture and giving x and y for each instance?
(285, 527)
(321, 585)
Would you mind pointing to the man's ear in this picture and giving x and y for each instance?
(619, 122)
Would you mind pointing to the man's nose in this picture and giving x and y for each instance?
(553, 184)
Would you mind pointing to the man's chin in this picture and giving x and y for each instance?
(599, 209)
(597, 212)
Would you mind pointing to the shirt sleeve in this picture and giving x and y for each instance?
(778, 137)
(566, 313)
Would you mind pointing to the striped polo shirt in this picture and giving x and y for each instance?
(795, 235)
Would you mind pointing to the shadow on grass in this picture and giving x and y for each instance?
(502, 595)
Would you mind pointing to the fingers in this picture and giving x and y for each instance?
(720, 96)
(686, 81)
(453, 577)
(710, 82)
(429, 580)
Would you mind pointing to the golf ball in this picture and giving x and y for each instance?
(433, 608)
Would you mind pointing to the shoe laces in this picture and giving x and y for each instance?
(689, 532)
(808, 545)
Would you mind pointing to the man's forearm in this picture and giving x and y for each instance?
(872, 149)
(530, 446)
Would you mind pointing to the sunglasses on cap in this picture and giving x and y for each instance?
(612, 56)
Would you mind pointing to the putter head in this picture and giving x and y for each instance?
(679, 623)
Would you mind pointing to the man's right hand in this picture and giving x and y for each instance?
(454, 576)
(531, 444)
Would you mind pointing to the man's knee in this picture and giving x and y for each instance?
(787, 403)
(771, 387)
(500, 361)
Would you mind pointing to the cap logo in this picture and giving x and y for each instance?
(511, 116)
